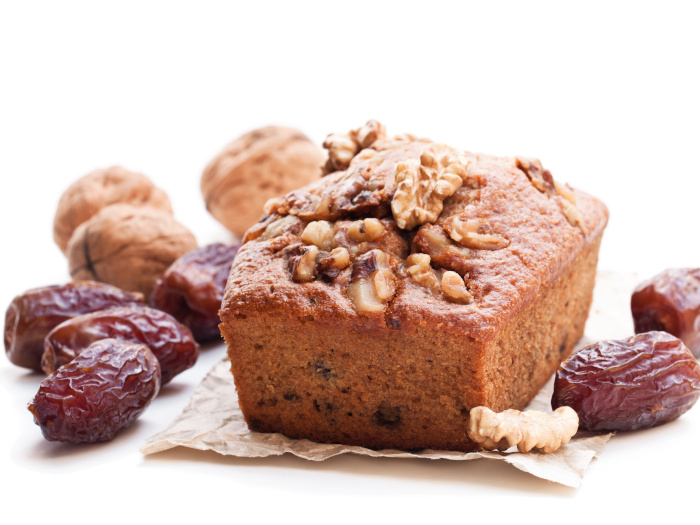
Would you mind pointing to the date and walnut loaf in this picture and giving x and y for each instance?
(413, 282)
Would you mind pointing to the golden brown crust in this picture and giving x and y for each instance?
(504, 231)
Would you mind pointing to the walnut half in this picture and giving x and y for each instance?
(527, 430)
(422, 186)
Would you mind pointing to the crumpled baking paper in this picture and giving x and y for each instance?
(213, 420)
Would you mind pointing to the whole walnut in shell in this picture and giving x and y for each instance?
(100, 188)
(264, 163)
(127, 246)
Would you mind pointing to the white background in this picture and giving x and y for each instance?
(605, 93)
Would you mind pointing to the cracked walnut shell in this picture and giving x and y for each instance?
(100, 188)
(127, 246)
(254, 168)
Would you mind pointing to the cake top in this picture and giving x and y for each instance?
(405, 232)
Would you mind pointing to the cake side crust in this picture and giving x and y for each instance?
(407, 388)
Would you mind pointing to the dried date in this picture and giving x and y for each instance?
(634, 383)
(32, 315)
(171, 342)
(192, 289)
(100, 392)
(670, 302)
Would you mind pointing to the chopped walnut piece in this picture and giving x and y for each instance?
(343, 148)
(572, 214)
(444, 253)
(418, 267)
(539, 177)
(564, 191)
(369, 133)
(366, 230)
(467, 234)
(302, 262)
(372, 282)
(280, 226)
(527, 430)
(271, 205)
(318, 233)
(422, 186)
(455, 289)
(331, 265)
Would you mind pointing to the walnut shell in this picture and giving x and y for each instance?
(264, 163)
(100, 188)
(127, 246)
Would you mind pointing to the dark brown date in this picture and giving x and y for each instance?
(670, 302)
(36, 312)
(192, 289)
(634, 383)
(97, 394)
(171, 342)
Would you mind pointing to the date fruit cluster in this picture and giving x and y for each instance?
(98, 343)
(107, 355)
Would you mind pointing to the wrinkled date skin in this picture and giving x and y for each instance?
(32, 315)
(634, 383)
(97, 394)
(670, 302)
(171, 342)
(192, 289)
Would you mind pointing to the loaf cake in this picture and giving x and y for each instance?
(414, 281)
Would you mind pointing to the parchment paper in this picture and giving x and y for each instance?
(213, 420)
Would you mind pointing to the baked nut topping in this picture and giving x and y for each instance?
(278, 227)
(572, 214)
(333, 263)
(455, 289)
(418, 267)
(370, 132)
(302, 262)
(343, 148)
(467, 233)
(542, 180)
(318, 233)
(372, 282)
(366, 230)
(527, 430)
(421, 188)
(539, 177)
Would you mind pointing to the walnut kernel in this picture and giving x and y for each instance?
(343, 148)
(337, 260)
(454, 288)
(467, 234)
(527, 430)
(419, 269)
(302, 262)
(366, 230)
(373, 284)
(422, 186)
(318, 233)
